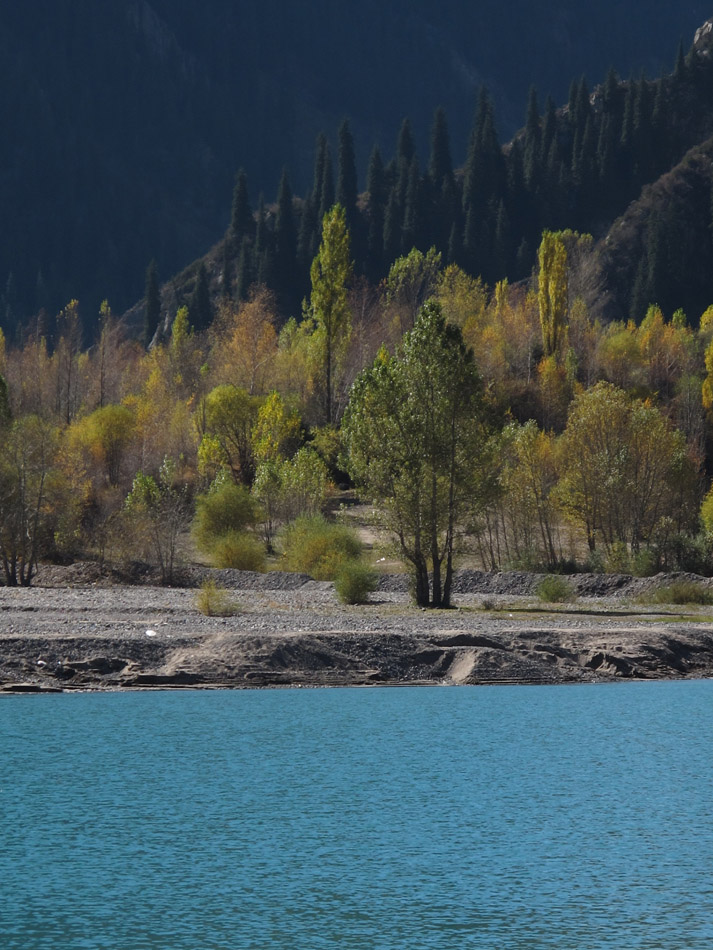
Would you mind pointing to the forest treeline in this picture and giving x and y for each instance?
(123, 123)
(577, 167)
(564, 440)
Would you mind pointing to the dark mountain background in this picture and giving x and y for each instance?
(123, 122)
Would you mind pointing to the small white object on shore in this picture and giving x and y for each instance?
(150, 633)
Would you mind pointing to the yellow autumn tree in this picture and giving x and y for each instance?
(552, 291)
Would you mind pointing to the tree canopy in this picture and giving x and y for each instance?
(416, 439)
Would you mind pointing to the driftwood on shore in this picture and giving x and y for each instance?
(80, 630)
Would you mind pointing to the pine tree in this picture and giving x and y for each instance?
(549, 128)
(285, 243)
(152, 303)
(501, 250)
(392, 229)
(245, 270)
(406, 147)
(321, 155)
(377, 196)
(440, 166)
(347, 175)
(241, 218)
(226, 275)
(200, 310)
(263, 258)
(326, 195)
(412, 233)
(680, 70)
(533, 140)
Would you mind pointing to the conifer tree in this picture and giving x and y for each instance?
(406, 147)
(321, 158)
(347, 174)
(392, 229)
(440, 166)
(226, 276)
(263, 258)
(241, 218)
(326, 195)
(200, 310)
(680, 70)
(285, 243)
(412, 233)
(533, 140)
(245, 270)
(377, 196)
(152, 303)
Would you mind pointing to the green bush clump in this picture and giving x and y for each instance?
(681, 592)
(239, 550)
(225, 507)
(354, 582)
(219, 527)
(312, 545)
(214, 601)
(554, 589)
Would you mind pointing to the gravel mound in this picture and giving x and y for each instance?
(465, 582)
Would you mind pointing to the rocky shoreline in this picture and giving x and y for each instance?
(78, 629)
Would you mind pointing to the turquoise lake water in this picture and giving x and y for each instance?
(503, 817)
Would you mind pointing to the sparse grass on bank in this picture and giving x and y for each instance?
(354, 582)
(214, 601)
(318, 547)
(679, 592)
(554, 589)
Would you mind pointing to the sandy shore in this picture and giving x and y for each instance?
(79, 630)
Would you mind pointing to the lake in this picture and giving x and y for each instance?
(502, 818)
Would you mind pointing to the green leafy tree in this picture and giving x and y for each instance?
(416, 440)
(287, 489)
(621, 465)
(276, 434)
(27, 450)
(412, 280)
(158, 513)
(330, 274)
(230, 415)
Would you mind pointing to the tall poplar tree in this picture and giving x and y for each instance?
(552, 290)
(330, 274)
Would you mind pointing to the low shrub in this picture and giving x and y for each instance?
(645, 563)
(554, 589)
(315, 546)
(680, 592)
(239, 550)
(618, 559)
(214, 601)
(354, 581)
(226, 508)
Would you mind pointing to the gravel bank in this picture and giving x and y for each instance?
(79, 629)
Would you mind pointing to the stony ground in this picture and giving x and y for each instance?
(80, 629)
